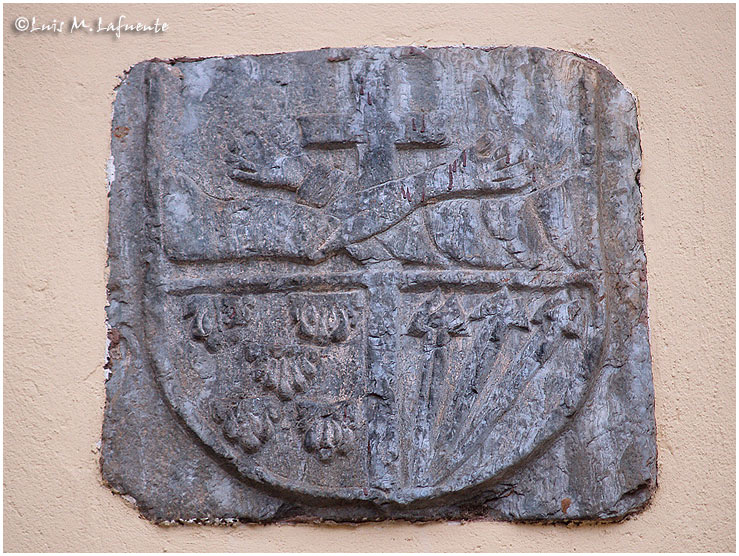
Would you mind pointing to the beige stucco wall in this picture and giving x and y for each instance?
(678, 60)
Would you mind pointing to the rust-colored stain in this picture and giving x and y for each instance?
(114, 336)
(121, 132)
(114, 352)
(565, 504)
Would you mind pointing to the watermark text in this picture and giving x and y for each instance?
(116, 27)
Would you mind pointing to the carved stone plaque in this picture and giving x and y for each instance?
(358, 284)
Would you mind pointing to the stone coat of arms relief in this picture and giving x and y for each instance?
(378, 283)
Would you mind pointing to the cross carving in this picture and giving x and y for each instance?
(377, 145)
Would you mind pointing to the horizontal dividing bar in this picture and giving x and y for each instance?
(474, 281)
(496, 279)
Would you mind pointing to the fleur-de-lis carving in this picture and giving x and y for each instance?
(284, 372)
(250, 423)
(327, 437)
(563, 314)
(212, 318)
(204, 326)
(321, 323)
(438, 320)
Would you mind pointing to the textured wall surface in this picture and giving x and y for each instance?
(678, 60)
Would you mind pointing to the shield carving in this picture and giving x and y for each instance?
(377, 275)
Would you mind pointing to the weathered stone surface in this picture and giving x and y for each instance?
(377, 283)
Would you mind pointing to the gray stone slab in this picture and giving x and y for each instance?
(378, 283)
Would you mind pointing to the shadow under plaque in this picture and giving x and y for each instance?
(378, 283)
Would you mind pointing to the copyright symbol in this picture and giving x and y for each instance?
(21, 24)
